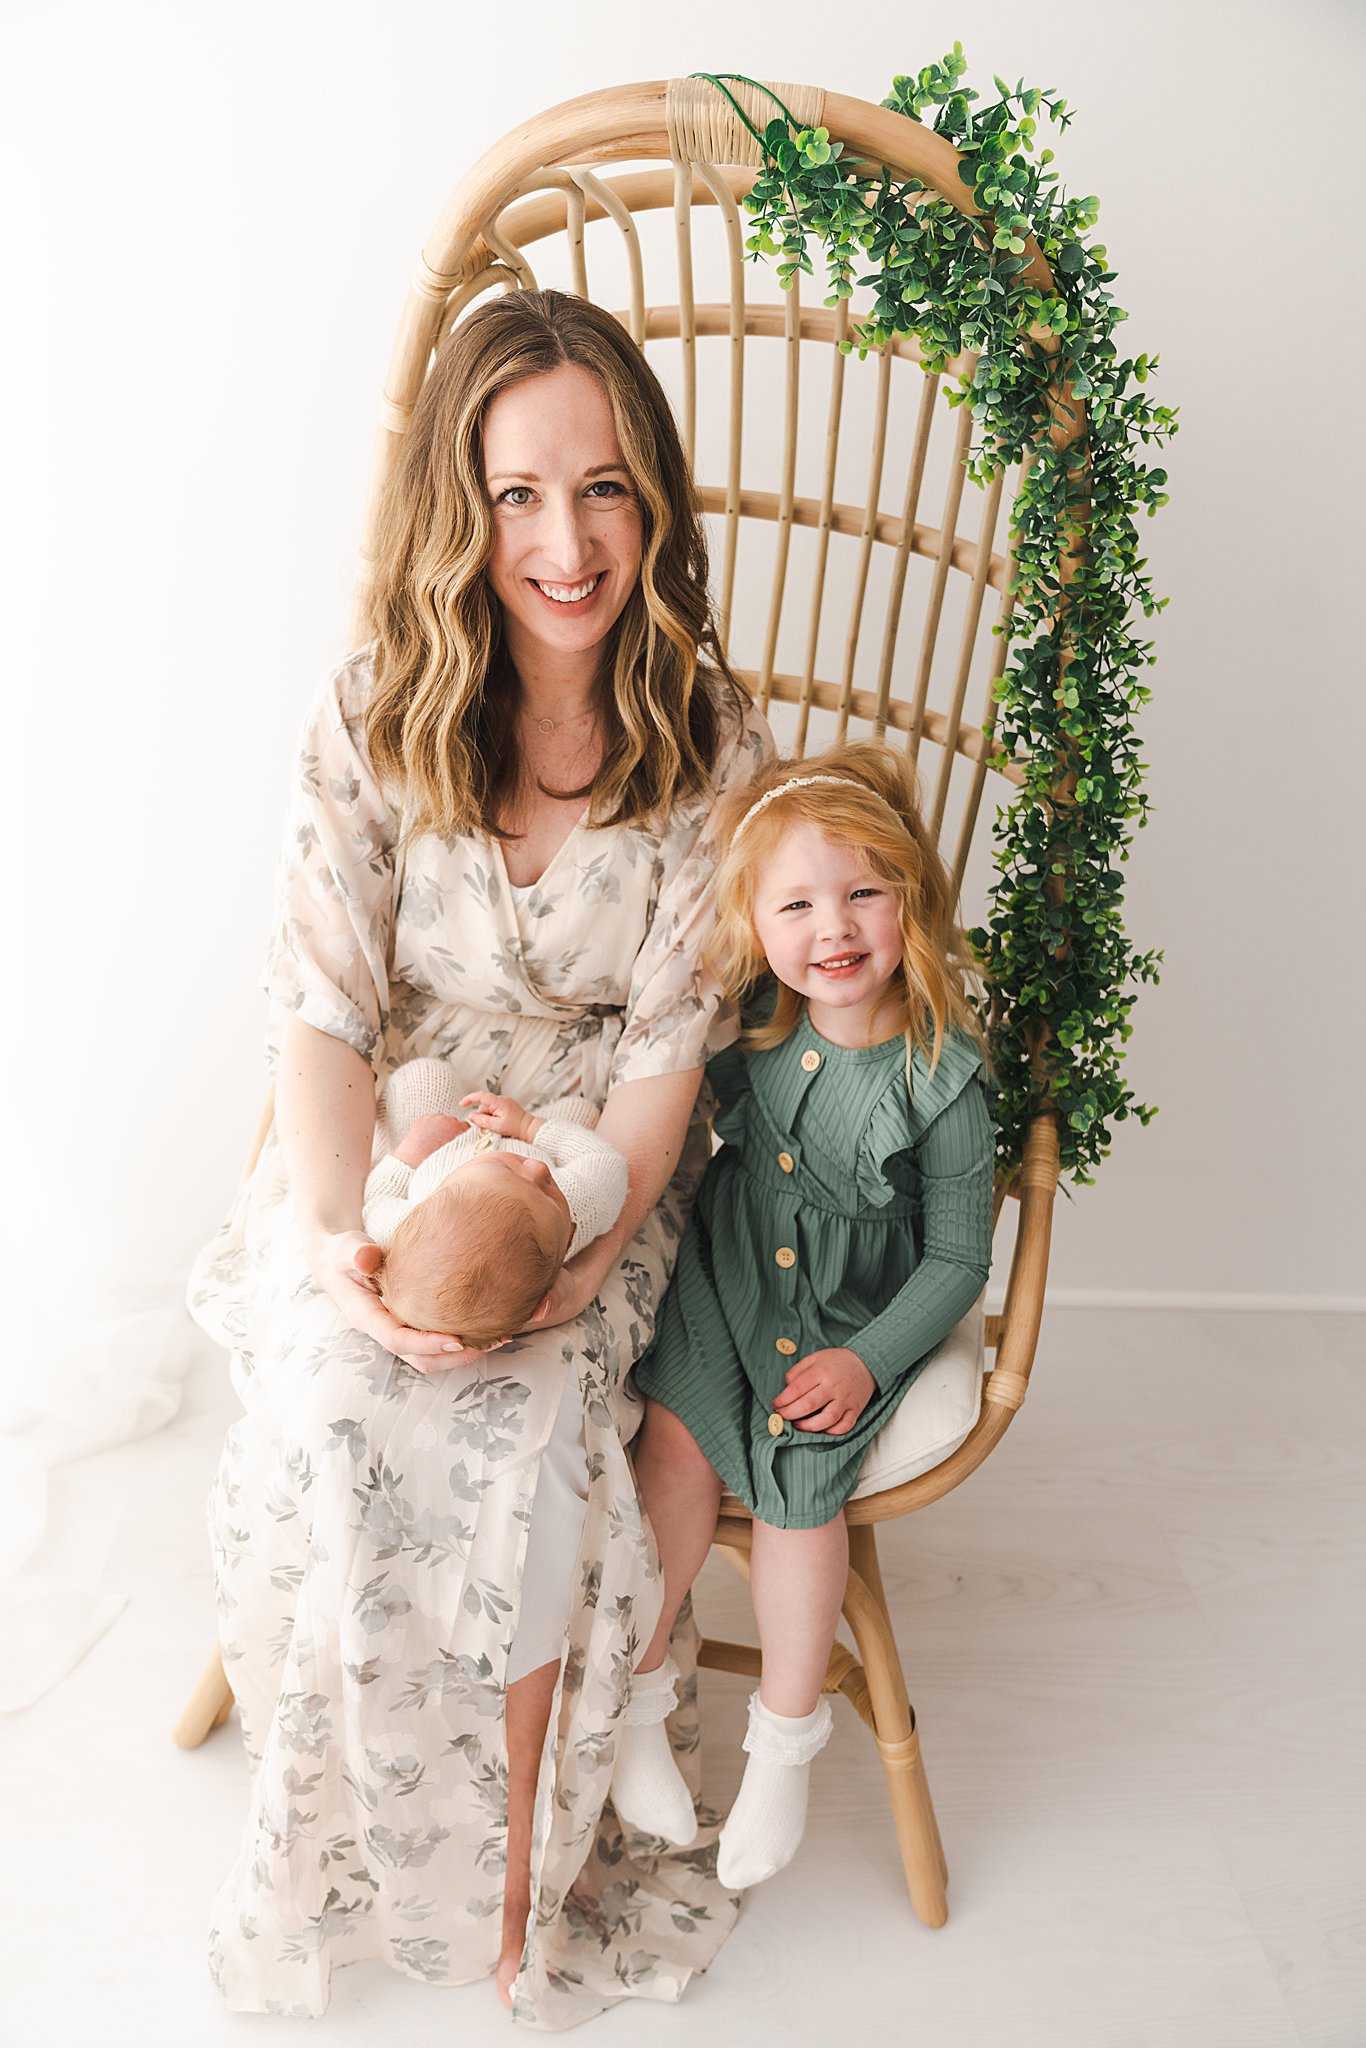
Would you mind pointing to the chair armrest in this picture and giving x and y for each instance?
(1017, 1332)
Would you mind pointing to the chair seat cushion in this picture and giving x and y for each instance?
(939, 1409)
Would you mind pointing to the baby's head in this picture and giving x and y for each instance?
(476, 1259)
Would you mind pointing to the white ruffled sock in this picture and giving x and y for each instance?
(769, 1815)
(648, 1790)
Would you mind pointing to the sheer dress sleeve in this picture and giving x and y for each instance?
(955, 1157)
(328, 957)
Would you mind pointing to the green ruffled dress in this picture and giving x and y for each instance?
(843, 1209)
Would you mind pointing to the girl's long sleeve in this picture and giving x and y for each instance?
(956, 1160)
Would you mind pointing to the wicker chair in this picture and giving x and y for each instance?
(542, 187)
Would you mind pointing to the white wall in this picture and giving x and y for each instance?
(217, 214)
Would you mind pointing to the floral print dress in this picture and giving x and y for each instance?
(368, 1522)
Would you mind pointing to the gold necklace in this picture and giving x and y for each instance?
(548, 725)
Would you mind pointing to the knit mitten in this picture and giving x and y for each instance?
(648, 1791)
(769, 1815)
(572, 1109)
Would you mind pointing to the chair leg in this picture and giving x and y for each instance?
(208, 1706)
(922, 1852)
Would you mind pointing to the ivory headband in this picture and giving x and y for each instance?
(797, 782)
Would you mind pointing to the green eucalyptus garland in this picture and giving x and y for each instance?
(1054, 951)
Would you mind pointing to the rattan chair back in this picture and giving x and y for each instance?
(857, 576)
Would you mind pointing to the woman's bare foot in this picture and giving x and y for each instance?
(528, 1712)
(508, 1963)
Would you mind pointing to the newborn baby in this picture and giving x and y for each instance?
(476, 1223)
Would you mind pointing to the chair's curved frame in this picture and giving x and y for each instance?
(462, 257)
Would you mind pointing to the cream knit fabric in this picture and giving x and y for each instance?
(648, 1789)
(590, 1173)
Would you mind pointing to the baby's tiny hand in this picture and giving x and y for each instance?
(826, 1391)
(500, 1113)
(427, 1134)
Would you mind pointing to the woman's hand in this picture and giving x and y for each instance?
(826, 1390)
(344, 1263)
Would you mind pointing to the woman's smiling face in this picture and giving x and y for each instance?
(566, 518)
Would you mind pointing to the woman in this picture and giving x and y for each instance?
(499, 854)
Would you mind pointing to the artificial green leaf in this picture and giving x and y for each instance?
(960, 284)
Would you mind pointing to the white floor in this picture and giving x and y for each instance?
(1134, 1641)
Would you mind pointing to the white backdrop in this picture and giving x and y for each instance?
(215, 213)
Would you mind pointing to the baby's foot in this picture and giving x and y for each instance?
(648, 1790)
(769, 1815)
(427, 1134)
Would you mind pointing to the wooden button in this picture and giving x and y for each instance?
(785, 1255)
(775, 1425)
(811, 1059)
(786, 1346)
(786, 1161)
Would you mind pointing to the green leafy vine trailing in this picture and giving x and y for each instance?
(1054, 951)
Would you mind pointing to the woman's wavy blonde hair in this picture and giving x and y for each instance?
(939, 985)
(439, 722)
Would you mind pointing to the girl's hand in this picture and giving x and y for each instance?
(344, 1263)
(826, 1390)
(501, 1114)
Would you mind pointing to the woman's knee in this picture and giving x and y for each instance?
(352, 1406)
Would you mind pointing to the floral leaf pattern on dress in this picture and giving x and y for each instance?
(368, 1523)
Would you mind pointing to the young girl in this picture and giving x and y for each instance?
(838, 1236)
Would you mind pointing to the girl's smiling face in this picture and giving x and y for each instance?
(830, 929)
(566, 518)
